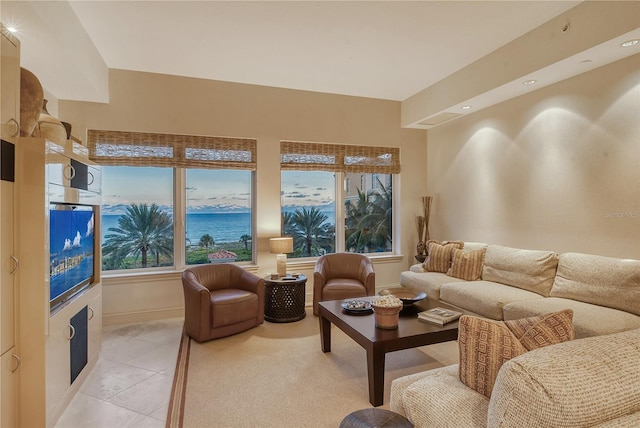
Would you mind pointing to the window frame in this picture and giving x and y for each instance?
(179, 152)
(179, 229)
(340, 191)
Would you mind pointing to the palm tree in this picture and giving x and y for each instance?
(206, 241)
(369, 220)
(288, 228)
(245, 240)
(309, 230)
(143, 230)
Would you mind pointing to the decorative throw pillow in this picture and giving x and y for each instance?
(467, 265)
(439, 259)
(543, 330)
(485, 345)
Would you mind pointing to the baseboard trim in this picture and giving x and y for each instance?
(142, 316)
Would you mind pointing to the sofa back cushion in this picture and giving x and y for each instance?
(604, 281)
(474, 246)
(531, 270)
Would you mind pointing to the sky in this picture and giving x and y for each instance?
(209, 191)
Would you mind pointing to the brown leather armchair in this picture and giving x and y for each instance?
(221, 300)
(342, 276)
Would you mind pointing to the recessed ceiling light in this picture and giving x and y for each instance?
(630, 43)
(467, 107)
(12, 29)
(529, 82)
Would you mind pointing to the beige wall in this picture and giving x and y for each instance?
(556, 169)
(169, 104)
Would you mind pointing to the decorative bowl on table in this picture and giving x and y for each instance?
(408, 295)
(356, 307)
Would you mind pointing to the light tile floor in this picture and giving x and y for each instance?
(131, 382)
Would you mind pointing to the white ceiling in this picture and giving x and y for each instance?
(395, 50)
(378, 49)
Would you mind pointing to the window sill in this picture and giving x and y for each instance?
(293, 265)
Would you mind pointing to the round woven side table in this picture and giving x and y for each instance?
(284, 299)
(373, 417)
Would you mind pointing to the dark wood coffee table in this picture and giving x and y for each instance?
(411, 333)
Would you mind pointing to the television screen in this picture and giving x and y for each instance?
(71, 248)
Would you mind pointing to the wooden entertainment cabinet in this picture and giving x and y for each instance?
(45, 355)
(57, 348)
(9, 131)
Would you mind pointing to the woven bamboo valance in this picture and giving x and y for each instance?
(297, 155)
(170, 150)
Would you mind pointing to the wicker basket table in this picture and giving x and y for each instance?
(284, 299)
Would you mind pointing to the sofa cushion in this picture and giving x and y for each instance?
(484, 298)
(531, 270)
(599, 280)
(588, 319)
(439, 399)
(485, 345)
(466, 265)
(429, 282)
(579, 383)
(439, 259)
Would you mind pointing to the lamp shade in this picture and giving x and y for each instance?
(282, 245)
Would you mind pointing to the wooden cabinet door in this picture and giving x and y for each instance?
(8, 267)
(10, 90)
(9, 365)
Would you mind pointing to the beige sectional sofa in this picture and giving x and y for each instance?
(580, 383)
(603, 292)
(593, 380)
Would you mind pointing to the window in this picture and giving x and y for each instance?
(369, 215)
(218, 216)
(310, 212)
(204, 183)
(137, 217)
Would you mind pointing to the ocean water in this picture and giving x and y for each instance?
(223, 227)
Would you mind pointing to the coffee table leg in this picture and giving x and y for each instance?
(375, 371)
(325, 334)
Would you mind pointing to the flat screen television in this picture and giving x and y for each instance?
(71, 250)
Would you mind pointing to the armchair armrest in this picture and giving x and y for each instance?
(368, 277)
(197, 299)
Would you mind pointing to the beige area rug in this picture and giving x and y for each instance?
(276, 375)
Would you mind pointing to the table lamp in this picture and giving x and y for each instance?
(281, 246)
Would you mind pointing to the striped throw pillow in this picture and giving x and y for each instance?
(467, 265)
(439, 259)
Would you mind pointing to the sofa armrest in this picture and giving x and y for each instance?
(583, 382)
(418, 268)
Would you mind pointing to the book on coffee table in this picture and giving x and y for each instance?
(439, 316)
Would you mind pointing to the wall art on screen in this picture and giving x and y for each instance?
(72, 248)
